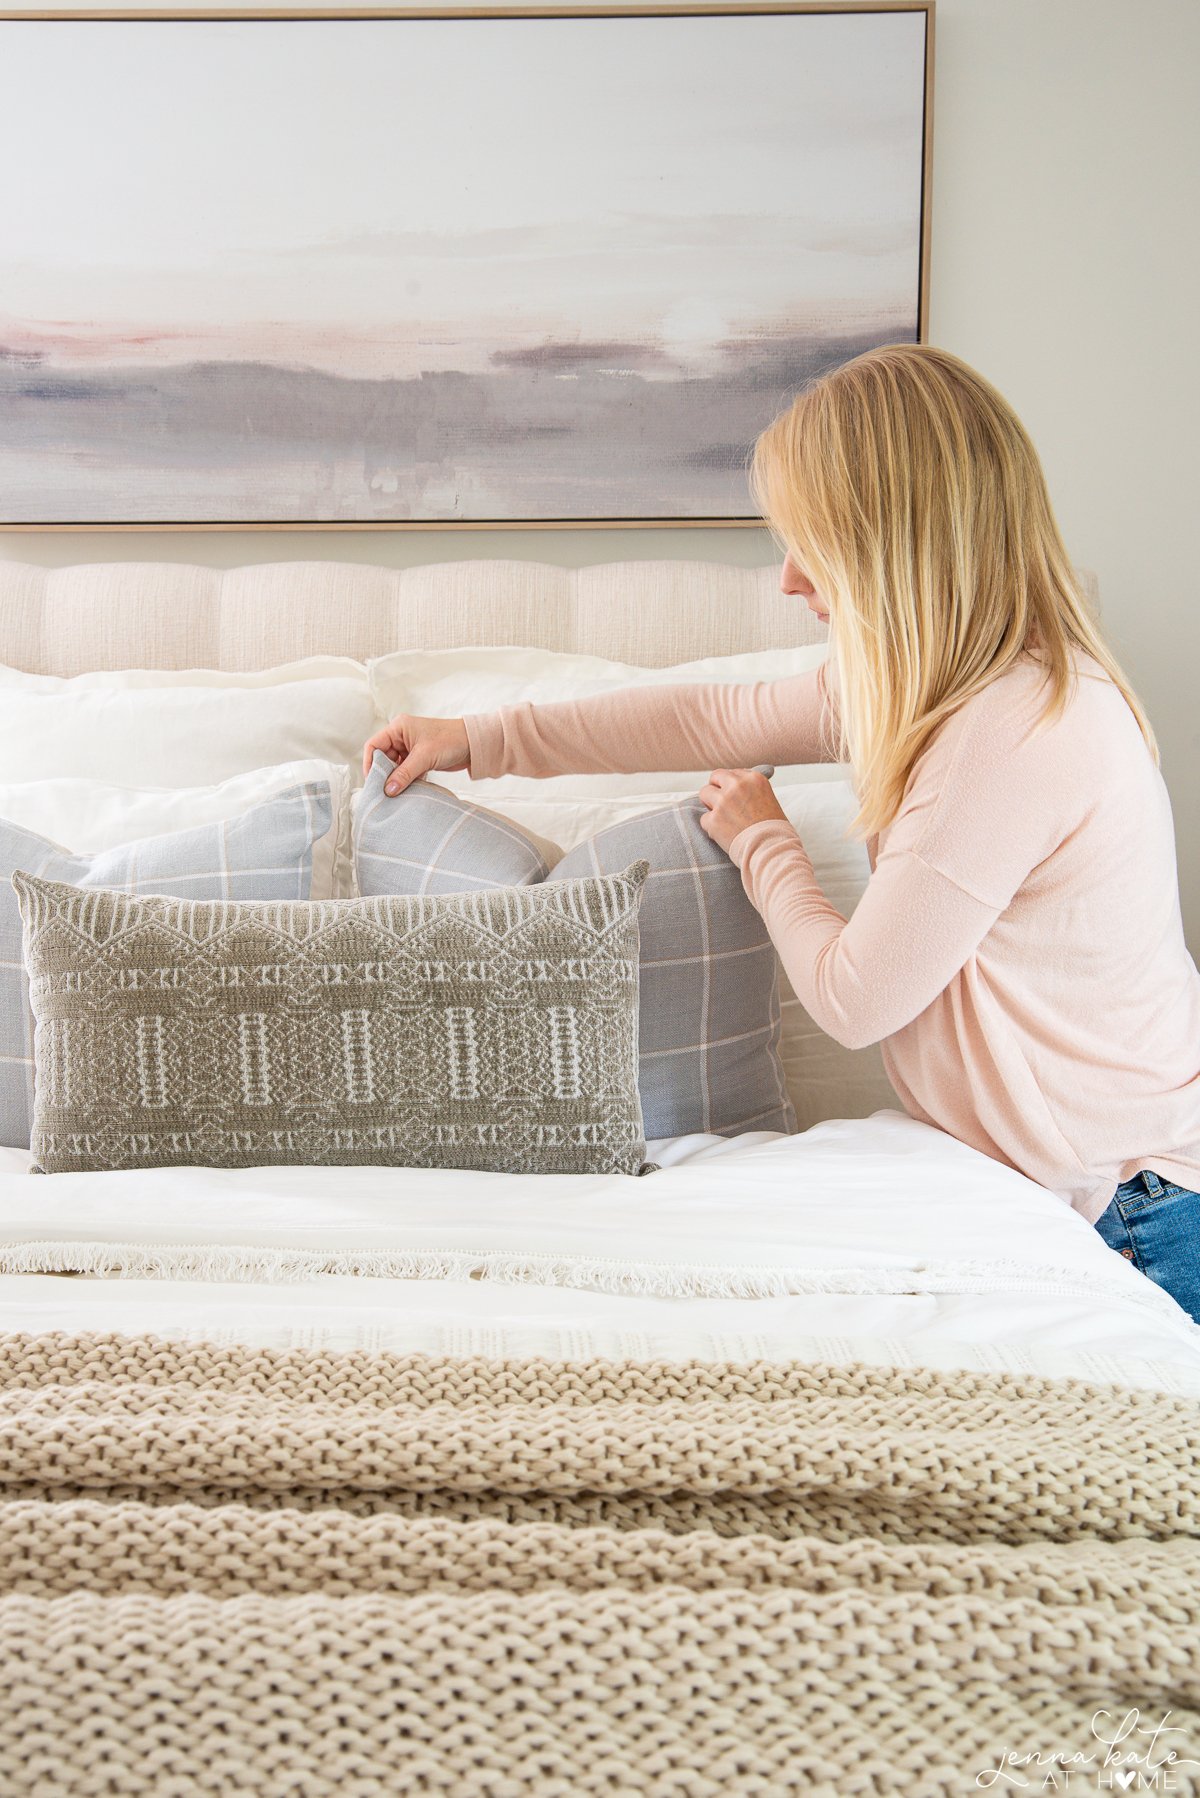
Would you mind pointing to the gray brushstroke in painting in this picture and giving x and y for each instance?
(243, 441)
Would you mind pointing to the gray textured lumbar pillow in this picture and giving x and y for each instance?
(709, 975)
(266, 853)
(494, 1030)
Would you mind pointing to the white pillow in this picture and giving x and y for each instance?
(448, 683)
(186, 728)
(88, 817)
(824, 1080)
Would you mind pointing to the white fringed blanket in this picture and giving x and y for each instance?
(235, 1570)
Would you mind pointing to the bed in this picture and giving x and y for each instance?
(843, 1460)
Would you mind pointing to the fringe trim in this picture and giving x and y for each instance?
(647, 1279)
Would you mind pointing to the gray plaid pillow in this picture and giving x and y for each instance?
(267, 853)
(446, 844)
(493, 1030)
(710, 1021)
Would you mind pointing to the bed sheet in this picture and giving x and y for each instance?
(877, 1239)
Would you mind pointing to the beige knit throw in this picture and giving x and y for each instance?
(230, 1570)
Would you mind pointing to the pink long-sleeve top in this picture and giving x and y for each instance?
(1018, 953)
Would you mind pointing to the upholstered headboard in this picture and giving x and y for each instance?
(176, 615)
(180, 615)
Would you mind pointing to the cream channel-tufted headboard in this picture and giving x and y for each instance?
(181, 615)
(178, 615)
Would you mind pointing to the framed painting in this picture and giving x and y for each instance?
(507, 268)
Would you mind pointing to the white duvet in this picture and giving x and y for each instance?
(874, 1239)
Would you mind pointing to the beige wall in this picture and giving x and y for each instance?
(1066, 188)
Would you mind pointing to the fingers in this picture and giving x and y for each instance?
(719, 780)
(722, 780)
(411, 768)
(383, 739)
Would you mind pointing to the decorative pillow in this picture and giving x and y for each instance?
(440, 843)
(267, 853)
(710, 1018)
(90, 815)
(823, 1078)
(191, 728)
(493, 1030)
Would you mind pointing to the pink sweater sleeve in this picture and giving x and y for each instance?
(862, 980)
(646, 729)
(985, 804)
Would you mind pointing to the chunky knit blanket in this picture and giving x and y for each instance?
(229, 1570)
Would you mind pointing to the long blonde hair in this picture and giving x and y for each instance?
(908, 491)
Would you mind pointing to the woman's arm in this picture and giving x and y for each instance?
(645, 729)
(986, 803)
(861, 980)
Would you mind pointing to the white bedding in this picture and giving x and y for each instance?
(861, 1239)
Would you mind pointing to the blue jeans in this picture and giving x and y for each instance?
(1156, 1225)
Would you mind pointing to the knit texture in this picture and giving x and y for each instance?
(226, 1569)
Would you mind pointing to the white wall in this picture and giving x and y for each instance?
(1066, 190)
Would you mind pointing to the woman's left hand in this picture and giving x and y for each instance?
(736, 797)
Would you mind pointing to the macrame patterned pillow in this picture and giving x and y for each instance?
(493, 1030)
(709, 976)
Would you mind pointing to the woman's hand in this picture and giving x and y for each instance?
(736, 797)
(416, 745)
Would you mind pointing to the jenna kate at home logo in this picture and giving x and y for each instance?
(1132, 1753)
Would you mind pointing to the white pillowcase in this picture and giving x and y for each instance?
(183, 728)
(449, 683)
(479, 679)
(88, 817)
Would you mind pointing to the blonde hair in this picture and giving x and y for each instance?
(908, 491)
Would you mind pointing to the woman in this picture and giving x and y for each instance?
(1018, 952)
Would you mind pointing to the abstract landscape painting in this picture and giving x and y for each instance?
(388, 271)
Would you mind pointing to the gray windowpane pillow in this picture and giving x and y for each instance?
(493, 1030)
(267, 853)
(709, 975)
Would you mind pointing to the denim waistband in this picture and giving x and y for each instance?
(1145, 1181)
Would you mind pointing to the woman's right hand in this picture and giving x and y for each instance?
(416, 745)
